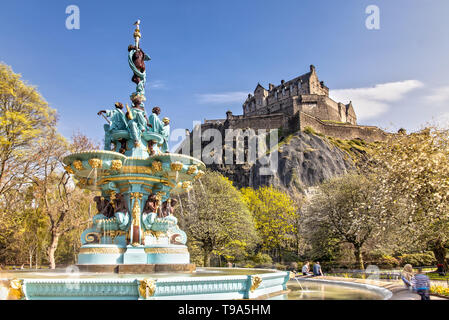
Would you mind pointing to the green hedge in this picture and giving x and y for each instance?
(418, 259)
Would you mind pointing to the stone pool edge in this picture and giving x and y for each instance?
(250, 286)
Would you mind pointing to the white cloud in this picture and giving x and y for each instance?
(374, 101)
(438, 95)
(224, 97)
(157, 84)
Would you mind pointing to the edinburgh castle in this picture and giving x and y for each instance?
(295, 105)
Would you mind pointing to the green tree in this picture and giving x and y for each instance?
(216, 218)
(65, 206)
(346, 209)
(24, 118)
(275, 215)
(38, 199)
(412, 173)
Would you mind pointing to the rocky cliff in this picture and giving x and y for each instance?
(305, 159)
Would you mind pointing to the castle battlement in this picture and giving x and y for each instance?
(305, 93)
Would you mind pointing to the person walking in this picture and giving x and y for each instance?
(407, 276)
(317, 269)
(421, 284)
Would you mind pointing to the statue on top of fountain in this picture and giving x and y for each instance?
(135, 120)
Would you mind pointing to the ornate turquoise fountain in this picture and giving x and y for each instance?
(135, 233)
(135, 228)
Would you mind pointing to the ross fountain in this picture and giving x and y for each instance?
(135, 234)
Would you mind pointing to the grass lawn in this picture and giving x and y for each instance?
(436, 276)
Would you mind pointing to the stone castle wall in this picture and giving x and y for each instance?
(269, 121)
(299, 121)
(341, 131)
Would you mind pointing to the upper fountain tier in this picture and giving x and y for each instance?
(97, 168)
(136, 145)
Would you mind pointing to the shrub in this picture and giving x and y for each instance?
(418, 259)
(293, 266)
(289, 256)
(309, 130)
(280, 266)
(388, 262)
(261, 259)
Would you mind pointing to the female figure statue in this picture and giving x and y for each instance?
(121, 212)
(136, 61)
(168, 209)
(149, 211)
(105, 211)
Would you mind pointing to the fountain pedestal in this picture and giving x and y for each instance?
(135, 255)
(129, 229)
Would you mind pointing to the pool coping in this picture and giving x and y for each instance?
(261, 282)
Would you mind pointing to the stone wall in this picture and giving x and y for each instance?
(268, 121)
(299, 121)
(341, 131)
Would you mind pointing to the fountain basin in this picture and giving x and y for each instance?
(222, 286)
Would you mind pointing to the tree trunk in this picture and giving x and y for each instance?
(52, 249)
(206, 259)
(358, 257)
(297, 246)
(440, 255)
(281, 257)
(31, 259)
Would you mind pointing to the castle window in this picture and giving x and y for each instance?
(276, 94)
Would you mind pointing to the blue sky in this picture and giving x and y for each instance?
(207, 55)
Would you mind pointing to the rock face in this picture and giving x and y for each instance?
(304, 160)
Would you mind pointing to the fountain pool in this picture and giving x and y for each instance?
(318, 290)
